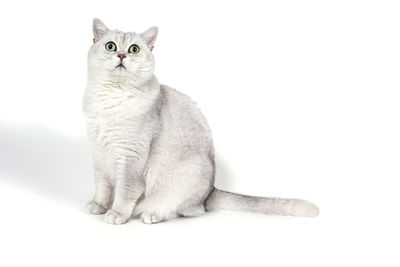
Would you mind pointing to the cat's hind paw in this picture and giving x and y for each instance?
(94, 208)
(114, 217)
(149, 218)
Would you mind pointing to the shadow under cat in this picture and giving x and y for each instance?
(53, 164)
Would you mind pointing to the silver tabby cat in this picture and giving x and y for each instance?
(152, 147)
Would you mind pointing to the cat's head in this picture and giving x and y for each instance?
(121, 56)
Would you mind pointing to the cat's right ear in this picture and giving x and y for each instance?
(99, 29)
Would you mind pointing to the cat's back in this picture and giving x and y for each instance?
(183, 120)
(182, 109)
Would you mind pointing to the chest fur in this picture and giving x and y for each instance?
(117, 121)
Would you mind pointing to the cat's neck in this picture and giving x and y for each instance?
(105, 91)
(149, 86)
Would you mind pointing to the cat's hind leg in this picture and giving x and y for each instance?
(155, 210)
(162, 207)
(180, 191)
(192, 211)
(152, 217)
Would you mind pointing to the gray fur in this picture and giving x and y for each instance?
(152, 147)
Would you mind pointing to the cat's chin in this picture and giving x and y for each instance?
(120, 68)
(119, 71)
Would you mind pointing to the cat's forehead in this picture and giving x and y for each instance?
(123, 37)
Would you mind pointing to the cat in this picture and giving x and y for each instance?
(152, 147)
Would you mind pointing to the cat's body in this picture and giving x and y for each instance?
(153, 150)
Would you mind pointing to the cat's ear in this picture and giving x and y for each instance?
(150, 37)
(99, 29)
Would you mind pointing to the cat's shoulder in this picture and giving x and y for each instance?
(172, 95)
(172, 92)
(182, 105)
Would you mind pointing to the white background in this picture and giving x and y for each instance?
(303, 100)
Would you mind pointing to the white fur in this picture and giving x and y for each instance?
(152, 147)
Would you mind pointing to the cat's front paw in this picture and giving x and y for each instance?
(94, 208)
(114, 217)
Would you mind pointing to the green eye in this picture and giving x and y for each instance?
(111, 47)
(134, 49)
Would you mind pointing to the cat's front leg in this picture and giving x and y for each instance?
(102, 197)
(128, 189)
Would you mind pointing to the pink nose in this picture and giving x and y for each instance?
(121, 56)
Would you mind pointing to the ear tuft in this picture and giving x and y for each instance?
(150, 37)
(99, 29)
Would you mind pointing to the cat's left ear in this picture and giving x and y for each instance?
(150, 37)
(99, 29)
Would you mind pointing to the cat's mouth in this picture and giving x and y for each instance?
(120, 66)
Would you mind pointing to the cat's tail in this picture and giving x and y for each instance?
(222, 200)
